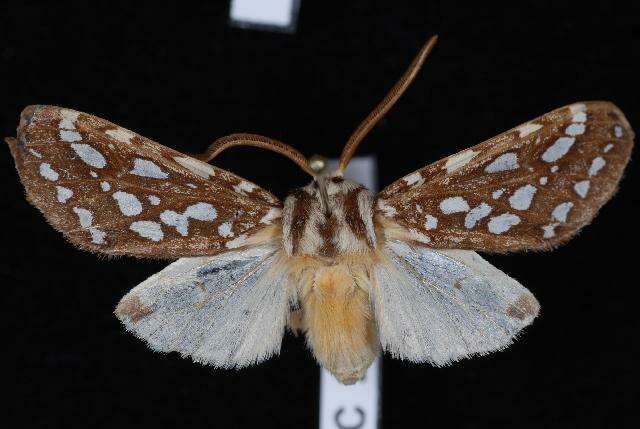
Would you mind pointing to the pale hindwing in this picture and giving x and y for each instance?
(443, 305)
(227, 310)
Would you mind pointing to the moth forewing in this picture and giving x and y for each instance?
(113, 191)
(532, 187)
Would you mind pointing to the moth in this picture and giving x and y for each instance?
(355, 272)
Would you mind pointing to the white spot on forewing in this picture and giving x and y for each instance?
(549, 230)
(582, 188)
(527, 129)
(97, 235)
(502, 223)
(386, 209)
(236, 242)
(177, 220)
(201, 211)
(224, 229)
(69, 118)
(577, 108)
(121, 135)
(154, 200)
(459, 160)
(543, 180)
(607, 148)
(84, 216)
(199, 168)
(63, 194)
(93, 174)
(505, 162)
(105, 186)
(272, 214)
(431, 222)
(128, 203)
(89, 155)
(146, 168)
(617, 130)
(454, 205)
(561, 211)
(35, 153)
(555, 169)
(558, 149)
(86, 221)
(475, 214)
(596, 165)
(497, 193)
(148, 229)
(414, 179)
(192, 186)
(244, 187)
(48, 173)
(522, 197)
(575, 129)
(579, 117)
(70, 136)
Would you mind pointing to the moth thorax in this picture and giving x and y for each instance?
(329, 217)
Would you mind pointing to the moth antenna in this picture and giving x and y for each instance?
(255, 140)
(385, 105)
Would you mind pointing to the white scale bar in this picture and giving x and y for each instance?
(274, 14)
(356, 406)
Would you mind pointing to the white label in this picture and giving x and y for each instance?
(356, 406)
(270, 13)
(361, 169)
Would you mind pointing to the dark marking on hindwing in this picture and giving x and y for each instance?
(203, 273)
(131, 307)
(523, 307)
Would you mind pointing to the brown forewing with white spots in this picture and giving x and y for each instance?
(111, 190)
(531, 187)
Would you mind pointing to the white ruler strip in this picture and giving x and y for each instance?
(356, 406)
(279, 15)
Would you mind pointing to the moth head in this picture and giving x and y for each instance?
(334, 186)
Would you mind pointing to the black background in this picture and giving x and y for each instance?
(181, 76)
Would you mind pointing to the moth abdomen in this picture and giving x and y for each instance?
(335, 313)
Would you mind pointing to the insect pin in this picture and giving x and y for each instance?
(357, 273)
